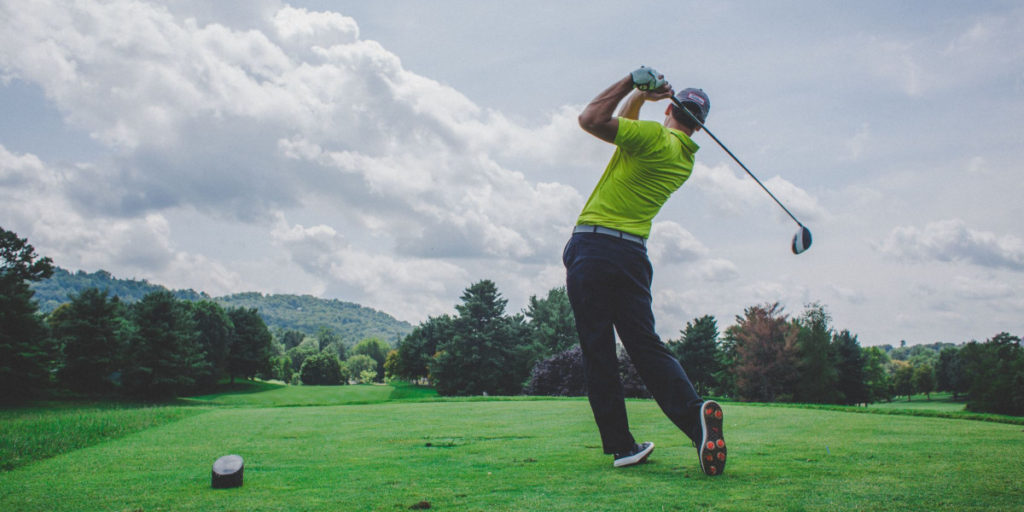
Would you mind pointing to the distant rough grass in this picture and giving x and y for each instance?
(39, 432)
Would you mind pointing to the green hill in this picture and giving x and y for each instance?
(302, 313)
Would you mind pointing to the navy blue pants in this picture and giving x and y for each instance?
(609, 285)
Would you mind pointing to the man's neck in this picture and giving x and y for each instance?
(670, 122)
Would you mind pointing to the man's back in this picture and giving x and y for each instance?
(650, 163)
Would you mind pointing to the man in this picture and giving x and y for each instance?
(608, 274)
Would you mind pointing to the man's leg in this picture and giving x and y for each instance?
(589, 283)
(659, 369)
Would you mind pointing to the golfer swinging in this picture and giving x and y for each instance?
(608, 274)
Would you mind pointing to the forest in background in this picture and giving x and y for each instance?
(281, 312)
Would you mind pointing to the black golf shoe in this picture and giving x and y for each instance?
(638, 454)
(711, 451)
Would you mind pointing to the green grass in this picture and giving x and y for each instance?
(275, 395)
(34, 433)
(938, 402)
(522, 455)
(941, 405)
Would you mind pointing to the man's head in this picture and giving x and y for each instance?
(695, 101)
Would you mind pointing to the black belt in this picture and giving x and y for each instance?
(611, 232)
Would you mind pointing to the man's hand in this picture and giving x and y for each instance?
(647, 79)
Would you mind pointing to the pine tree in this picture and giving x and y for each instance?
(165, 359)
(26, 349)
(815, 359)
(552, 324)
(90, 331)
(698, 351)
(216, 332)
(488, 351)
(850, 361)
(252, 345)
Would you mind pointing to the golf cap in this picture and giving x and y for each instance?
(698, 98)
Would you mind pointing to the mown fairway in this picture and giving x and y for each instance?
(524, 455)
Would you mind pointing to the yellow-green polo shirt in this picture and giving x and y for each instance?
(650, 163)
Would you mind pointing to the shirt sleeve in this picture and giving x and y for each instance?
(637, 137)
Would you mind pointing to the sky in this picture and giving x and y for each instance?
(394, 153)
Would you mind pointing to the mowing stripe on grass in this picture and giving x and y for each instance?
(32, 434)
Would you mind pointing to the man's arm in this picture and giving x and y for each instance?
(597, 119)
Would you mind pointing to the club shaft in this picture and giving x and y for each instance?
(705, 128)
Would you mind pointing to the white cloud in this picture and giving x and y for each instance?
(987, 289)
(405, 287)
(671, 243)
(405, 169)
(952, 241)
(230, 122)
(315, 28)
(733, 193)
(34, 198)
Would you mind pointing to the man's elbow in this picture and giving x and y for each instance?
(588, 122)
(585, 121)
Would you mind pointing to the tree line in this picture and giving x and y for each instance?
(281, 312)
(156, 348)
(765, 356)
(162, 346)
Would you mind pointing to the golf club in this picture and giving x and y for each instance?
(802, 238)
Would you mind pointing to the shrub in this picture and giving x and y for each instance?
(322, 369)
(564, 375)
(632, 385)
(559, 375)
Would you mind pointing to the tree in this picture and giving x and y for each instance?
(26, 350)
(216, 332)
(698, 352)
(360, 367)
(377, 349)
(903, 379)
(251, 345)
(299, 353)
(726, 377)
(765, 342)
(390, 364)
(924, 380)
(165, 358)
(850, 362)
(416, 352)
(876, 378)
(281, 367)
(817, 375)
(487, 352)
(90, 332)
(949, 372)
(291, 339)
(552, 324)
(996, 368)
(326, 337)
(321, 369)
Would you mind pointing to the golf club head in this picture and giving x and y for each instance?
(801, 240)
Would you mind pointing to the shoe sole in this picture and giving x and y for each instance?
(712, 453)
(635, 459)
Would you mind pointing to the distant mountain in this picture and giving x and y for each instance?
(303, 313)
